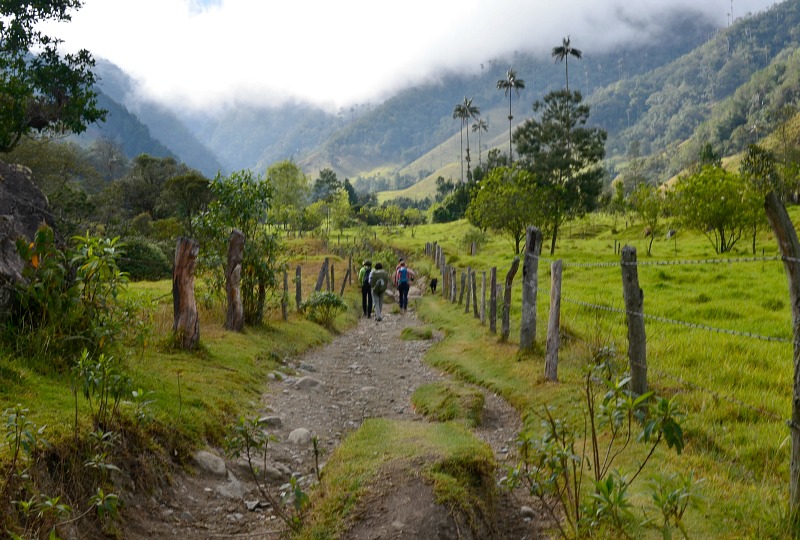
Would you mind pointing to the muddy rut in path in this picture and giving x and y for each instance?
(366, 372)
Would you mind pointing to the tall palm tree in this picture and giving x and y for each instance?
(508, 85)
(563, 53)
(464, 111)
(480, 125)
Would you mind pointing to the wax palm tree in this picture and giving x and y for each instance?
(464, 111)
(563, 53)
(508, 85)
(480, 125)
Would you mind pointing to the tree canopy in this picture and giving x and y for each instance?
(41, 90)
(564, 154)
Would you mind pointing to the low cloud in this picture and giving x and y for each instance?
(201, 54)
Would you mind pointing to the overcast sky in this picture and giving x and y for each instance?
(204, 53)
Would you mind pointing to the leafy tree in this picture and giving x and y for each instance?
(413, 217)
(495, 158)
(759, 170)
(507, 201)
(454, 205)
(712, 201)
(325, 186)
(108, 158)
(40, 90)
(648, 203)
(190, 194)
(341, 213)
(290, 190)
(142, 188)
(563, 52)
(563, 153)
(465, 111)
(241, 202)
(510, 85)
(351, 192)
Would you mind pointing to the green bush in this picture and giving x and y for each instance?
(144, 260)
(323, 307)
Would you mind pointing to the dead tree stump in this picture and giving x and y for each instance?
(186, 325)
(234, 318)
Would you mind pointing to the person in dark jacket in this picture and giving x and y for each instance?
(366, 290)
(378, 280)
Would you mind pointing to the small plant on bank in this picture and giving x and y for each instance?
(553, 465)
(250, 440)
(322, 307)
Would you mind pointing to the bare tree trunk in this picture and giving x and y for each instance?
(507, 299)
(530, 285)
(790, 250)
(234, 318)
(553, 327)
(634, 307)
(186, 325)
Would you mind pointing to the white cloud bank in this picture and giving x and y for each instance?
(201, 54)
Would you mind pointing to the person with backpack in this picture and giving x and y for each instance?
(402, 278)
(378, 280)
(366, 290)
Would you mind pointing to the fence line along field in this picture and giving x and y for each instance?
(718, 339)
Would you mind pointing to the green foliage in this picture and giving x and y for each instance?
(40, 89)
(144, 260)
(70, 301)
(672, 495)
(322, 307)
(241, 202)
(249, 439)
(449, 401)
(564, 156)
(714, 202)
(508, 201)
(103, 385)
(648, 203)
(552, 466)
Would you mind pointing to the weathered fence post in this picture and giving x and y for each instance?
(474, 289)
(453, 285)
(463, 285)
(553, 326)
(332, 281)
(790, 251)
(634, 308)
(507, 299)
(285, 298)
(483, 297)
(493, 300)
(469, 285)
(344, 282)
(350, 269)
(298, 286)
(530, 285)
(234, 318)
(186, 325)
(323, 275)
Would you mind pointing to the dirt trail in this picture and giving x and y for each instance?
(366, 372)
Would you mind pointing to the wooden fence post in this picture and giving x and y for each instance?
(463, 284)
(344, 282)
(790, 251)
(186, 325)
(332, 282)
(298, 286)
(493, 300)
(507, 299)
(530, 285)
(453, 285)
(474, 289)
(285, 298)
(483, 298)
(634, 308)
(469, 286)
(234, 317)
(323, 275)
(553, 326)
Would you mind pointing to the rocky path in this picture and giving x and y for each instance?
(366, 372)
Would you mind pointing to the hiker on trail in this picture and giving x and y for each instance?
(366, 290)
(403, 277)
(378, 280)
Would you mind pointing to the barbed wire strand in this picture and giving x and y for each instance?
(666, 320)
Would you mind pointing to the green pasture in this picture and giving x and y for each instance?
(711, 348)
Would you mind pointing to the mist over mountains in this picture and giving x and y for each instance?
(683, 60)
